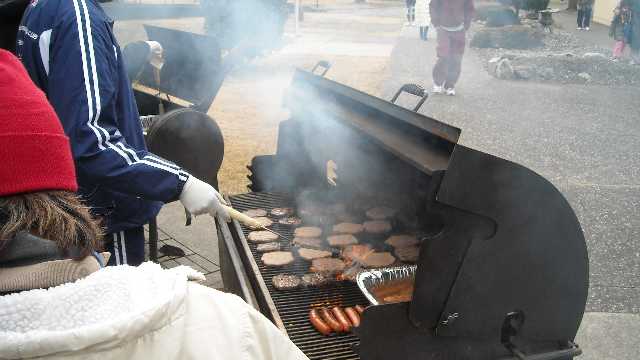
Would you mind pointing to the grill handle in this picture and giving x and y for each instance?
(321, 64)
(573, 350)
(413, 89)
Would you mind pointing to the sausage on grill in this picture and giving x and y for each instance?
(330, 320)
(339, 314)
(359, 309)
(353, 315)
(318, 323)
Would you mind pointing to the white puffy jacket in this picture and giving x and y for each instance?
(140, 312)
(423, 16)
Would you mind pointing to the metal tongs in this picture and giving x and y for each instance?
(248, 221)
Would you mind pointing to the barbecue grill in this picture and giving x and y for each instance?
(502, 271)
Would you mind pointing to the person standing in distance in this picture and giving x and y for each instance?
(70, 52)
(452, 19)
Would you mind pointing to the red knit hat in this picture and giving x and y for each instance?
(34, 152)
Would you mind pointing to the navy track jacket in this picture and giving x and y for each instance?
(70, 52)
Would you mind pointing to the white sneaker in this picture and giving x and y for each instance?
(451, 91)
(437, 89)
(578, 28)
(406, 23)
(587, 28)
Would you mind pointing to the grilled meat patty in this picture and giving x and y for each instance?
(262, 236)
(311, 243)
(281, 212)
(355, 251)
(290, 220)
(286, 281)
(310, 254)
(348, 228)
(277, 258)
(264, 221)
(255, 213)
(342, 240)
(408, 253)
(377, 259)
(327, 265)
(268, 247)
(307, 232)
(380, 213)
(315, 279)
(377, 226)
(404, 240)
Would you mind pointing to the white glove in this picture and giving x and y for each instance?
(198, 197)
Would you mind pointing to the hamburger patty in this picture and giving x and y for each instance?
(286, 281)
(408, 253)
(307, 232)
(378, 259)
(355, 251)
(341, 240)
(311, 243)
(264, 221)
(262, 236)
(255, 212)
(277, 258)
(327, 265)
(380, 213)
(398, 241)
(310, 254)
(280, 212)
(377, 226)
(268, 247)
(315, 279)
(347, 228)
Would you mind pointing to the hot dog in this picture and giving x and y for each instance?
(360, 309)
(330, 320)
(318, 323)
(353, 315)
(339, 314)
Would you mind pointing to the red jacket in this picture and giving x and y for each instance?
(451, 13)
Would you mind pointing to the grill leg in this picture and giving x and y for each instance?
(153, 240)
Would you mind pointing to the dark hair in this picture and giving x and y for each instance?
(58, 216)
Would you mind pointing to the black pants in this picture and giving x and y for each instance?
(424, 30)
(411, 10)
(126, 247)
(584, 17)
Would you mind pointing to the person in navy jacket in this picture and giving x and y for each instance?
(70, 52)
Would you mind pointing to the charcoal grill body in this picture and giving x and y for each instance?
(192, 74)
(503, 271)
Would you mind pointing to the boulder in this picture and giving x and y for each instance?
(584, 76)
(508, 37)
(504, 70)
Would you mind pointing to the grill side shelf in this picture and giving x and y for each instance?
(257, 281)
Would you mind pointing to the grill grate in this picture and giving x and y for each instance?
(293, 305)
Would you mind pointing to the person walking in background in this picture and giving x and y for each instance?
(634, 31)
(585, 10)
(423, 20)
(411, 12)
(620, 29)
(452, 19)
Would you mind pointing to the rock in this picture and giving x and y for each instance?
(546, 73)
(584, 76)
(508, 37)
(522, 72)
(493, 65)
(594, 55)
(504, 70)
